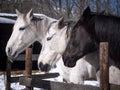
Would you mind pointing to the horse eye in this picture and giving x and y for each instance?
(49, 38)
(22, 28)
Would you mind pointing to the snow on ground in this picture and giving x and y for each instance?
(17, 86)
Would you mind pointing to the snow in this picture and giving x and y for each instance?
(8, 14)
(17, 86)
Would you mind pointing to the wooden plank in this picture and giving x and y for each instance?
(51, 85)
(21, 57)
(14, 79)
(104, 66)
(39, 76)
(8, 75)
(28, 62)
(45, 76)
(28, 65)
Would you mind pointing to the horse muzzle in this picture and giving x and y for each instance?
(44, 67)
(69, 62)
(10, 53)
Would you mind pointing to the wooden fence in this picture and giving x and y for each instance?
(31, 81)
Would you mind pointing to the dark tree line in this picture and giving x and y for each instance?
(57, 8)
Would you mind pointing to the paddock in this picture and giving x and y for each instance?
(31, 81)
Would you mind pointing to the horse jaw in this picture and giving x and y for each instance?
(47, 60)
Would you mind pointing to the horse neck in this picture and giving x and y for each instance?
(42, 28)
(92, 58)
(38, 27)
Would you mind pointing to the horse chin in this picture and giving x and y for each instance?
(13, 56)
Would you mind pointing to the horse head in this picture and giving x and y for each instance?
(80, 42)
(54, 45)
(27, 29)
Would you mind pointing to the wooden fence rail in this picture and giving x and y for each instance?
(52, 85)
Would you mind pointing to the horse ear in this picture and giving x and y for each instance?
(60, 22)
(87, 12)
(30, 14)
(17, 12)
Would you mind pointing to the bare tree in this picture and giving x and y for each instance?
(60, 5)
(118, 7)
(98, 5)
(107, 7)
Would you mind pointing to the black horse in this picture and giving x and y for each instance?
(89, 31)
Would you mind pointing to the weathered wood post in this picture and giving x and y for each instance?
(104, 66)
(28, 64)
(8, 75)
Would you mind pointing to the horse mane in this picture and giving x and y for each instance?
(107, 29)
(69, 23)
(36, 18)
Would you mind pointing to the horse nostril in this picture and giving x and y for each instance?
(41, 65)
(44, 67)
(9, 50)
(69, 63)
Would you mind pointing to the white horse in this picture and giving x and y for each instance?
(27, 29)
(54, 46)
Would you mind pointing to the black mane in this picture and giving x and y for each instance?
(89, 31)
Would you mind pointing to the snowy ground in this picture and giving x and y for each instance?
(17, 86)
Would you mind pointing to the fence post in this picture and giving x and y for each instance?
(28, 64)
(8, 75)
(104, 66)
